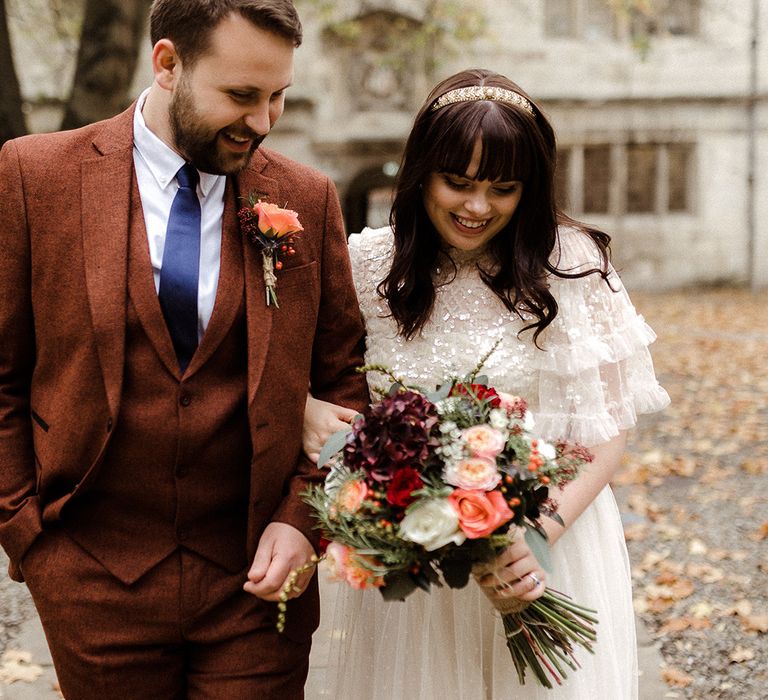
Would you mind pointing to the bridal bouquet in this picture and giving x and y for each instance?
(423, 491)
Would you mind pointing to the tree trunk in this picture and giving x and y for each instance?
(106, 60)
(11, 115)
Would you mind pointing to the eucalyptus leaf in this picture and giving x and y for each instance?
(440, 393)
(556, 517)
(539, 546)
(332, 445)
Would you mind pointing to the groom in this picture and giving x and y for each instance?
(151, 401)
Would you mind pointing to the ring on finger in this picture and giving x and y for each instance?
(535, 579)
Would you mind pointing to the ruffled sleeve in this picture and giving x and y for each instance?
(595, 371)
(370, 253)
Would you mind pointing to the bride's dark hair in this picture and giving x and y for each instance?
(515, 146)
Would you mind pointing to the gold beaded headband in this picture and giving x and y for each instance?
(483, 92)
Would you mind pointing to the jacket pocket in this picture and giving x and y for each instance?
(40, 421)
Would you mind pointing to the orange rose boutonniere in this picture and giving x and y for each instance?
(275, 231)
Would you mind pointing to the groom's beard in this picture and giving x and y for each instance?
(201, 144)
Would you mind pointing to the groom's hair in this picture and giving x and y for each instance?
(189, 23)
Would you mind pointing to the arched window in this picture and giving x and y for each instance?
(369, 197)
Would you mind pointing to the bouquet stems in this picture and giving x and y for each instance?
(541, 635)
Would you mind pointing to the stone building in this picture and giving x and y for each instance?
(665, 148)
(662, 119)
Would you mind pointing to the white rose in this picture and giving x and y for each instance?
(547, 450)
(499, 418)
(432, 524)
(528, 422)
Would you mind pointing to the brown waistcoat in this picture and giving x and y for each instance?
(176, 472)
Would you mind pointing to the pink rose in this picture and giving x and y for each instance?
(351, 496)
(483, 441)
(275, 221)
(476, 473)
(337, 556)
(346, 565)
(514, 405)
(480, 513)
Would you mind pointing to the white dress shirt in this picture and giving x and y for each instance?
(156, 166)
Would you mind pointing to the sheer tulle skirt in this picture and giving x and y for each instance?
(449, 644)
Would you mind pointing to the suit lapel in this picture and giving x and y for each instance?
(258, 314)
(106, 202)
(141, 286)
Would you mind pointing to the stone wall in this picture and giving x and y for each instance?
(352, 105)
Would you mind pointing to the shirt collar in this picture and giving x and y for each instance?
(161, 160)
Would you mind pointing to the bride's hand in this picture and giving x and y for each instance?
(515, 573)
(321, 420)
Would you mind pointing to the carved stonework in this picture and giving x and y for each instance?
(379, 61)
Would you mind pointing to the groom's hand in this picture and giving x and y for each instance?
(282, 548)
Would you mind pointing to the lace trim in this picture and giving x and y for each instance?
(594, 428)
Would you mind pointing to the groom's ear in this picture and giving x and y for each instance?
(166, 64)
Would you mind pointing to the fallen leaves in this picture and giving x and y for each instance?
(17, 666)
(755, 623)
(667, 591)
(676, 678)
(749, 622)
(741, 654)
(678, 624)
(693, 493)
(761, 533)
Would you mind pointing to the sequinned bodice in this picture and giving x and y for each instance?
(586, 382)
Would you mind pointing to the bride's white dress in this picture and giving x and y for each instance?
(591, 378)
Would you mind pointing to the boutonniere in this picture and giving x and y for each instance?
(274, 230)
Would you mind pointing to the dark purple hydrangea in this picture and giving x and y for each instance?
(391, 434)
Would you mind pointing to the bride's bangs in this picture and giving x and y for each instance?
(506, 151)
(455, 143)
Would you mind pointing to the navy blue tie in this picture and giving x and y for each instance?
(181, 263)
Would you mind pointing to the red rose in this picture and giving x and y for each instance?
(479, 391)
(404, 481)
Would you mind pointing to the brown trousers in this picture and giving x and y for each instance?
(184, 631)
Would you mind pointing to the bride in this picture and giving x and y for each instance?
(477, 252)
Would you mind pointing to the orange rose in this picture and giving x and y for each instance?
(277, 222)
(351, 496)
(480, 513)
